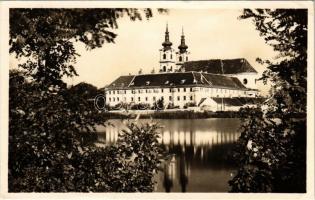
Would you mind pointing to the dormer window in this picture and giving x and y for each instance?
(167, 82)
(183, 81)
(132, 83)
(147, 83)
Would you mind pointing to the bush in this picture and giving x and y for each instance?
(51, 145)
(271, 154)
(140, 106)
(190, 104)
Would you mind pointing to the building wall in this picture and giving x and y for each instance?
(168, 59)
(247, 79)
(176, 96)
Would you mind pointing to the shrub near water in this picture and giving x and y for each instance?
(47, 150)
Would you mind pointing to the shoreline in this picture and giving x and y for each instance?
(186, 114)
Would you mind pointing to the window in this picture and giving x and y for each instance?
(245, 81)
(146, 98)
(170, 89)
(154, 98)
(171, 56)
(191, 98)
(191, 89)
(131, 98)
(109, 99)
(113, 91)
(146, 91)
(184, 89)
(164, 68)
(178, 89)
(171, 69)
(178, 98)
(184, 98)
(113, 98)
(170, 98)
(187, 58)
(117, 98)
(139, 98)
(180, 58)
(164, 56)
(108, 92)
(162, 90)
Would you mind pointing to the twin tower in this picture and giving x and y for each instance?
(171, 61)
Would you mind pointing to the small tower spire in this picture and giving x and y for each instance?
(167, 44)
(182, 47)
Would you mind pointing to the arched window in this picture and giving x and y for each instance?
(180, 58)
(164, 56)
(245, 81)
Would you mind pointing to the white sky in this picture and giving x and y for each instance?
(210, 34)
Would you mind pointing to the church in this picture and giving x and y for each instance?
(180, 83)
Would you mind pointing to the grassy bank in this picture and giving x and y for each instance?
(185, 114)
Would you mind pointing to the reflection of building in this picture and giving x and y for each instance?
(195, 145)
(182, 82)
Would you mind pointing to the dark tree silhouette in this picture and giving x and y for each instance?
(271, 151)
(49, 123)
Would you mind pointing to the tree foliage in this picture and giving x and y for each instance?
(50, 124)
(271, 150)
(46, 36)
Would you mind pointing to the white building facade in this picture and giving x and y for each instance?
(181, 82)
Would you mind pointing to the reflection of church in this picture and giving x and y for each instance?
(193, 144)
(193, 149)
(181, 82)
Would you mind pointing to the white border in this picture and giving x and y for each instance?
(4, 68)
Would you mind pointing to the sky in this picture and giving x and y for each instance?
(209, 33)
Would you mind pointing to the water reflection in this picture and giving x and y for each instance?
(199, 149)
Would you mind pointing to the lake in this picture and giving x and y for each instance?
(200, 151)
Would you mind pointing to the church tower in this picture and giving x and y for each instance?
(167, 55)
(182, 54)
